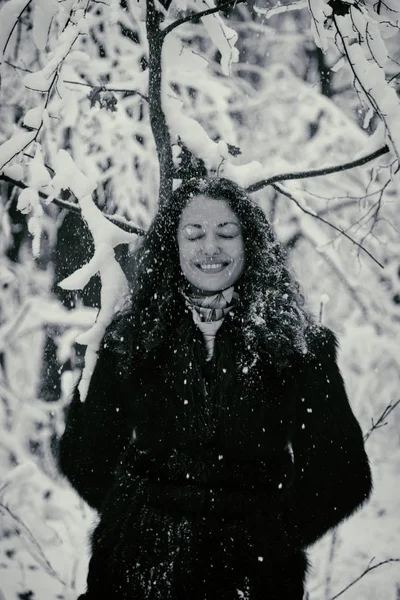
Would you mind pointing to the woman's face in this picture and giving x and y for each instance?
(211, 248)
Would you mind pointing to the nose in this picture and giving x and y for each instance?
(211, 246)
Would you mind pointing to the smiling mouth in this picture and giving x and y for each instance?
(215, 267)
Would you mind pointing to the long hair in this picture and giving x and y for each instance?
(270, 315)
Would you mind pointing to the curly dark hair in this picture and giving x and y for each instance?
(271, 310)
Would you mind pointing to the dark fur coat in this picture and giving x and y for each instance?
(212, 478)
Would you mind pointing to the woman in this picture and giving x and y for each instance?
(216, 441)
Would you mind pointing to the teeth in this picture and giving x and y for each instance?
(212, 267)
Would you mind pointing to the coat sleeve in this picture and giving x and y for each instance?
(332, 473)
(96, 434)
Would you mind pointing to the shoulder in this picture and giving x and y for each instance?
(125, 339)
(321, 343)
(118, 340)
(316, 373)
(319, 363)
(120, 332)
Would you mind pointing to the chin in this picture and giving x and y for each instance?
(213, 287)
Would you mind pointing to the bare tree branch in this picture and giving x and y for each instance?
(338, 207)
(380, 422)
(287, 193)
(332, 552)
(29, 535)
(158, 122)
(194, 17)
(367, 570)
(7, 62)
(318, 172)
(353, 292)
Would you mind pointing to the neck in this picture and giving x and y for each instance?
(191, 290)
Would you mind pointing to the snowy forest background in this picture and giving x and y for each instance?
(255, 90)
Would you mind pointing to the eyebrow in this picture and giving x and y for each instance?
(198, 226)
(228, 223)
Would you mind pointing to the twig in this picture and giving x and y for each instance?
(48, 167)
(194, 17)
(74, 207)
(318, 172)
(286, 193)
(53, 85)
(38, 130)
(394, 77)
(33, 541)
(338, 207)
(158, 121)
(350, 288)
(367, 570)
(7, 62)
(380, 422)
(3, 50)
(332, 552)
(107, 89)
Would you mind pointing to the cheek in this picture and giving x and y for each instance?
(240, 264)
(186, 253)
(239, 253)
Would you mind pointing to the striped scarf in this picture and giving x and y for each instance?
(209, 312)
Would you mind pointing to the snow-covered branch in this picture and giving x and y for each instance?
(124, 224)
(356, 29)
(106, 236)
(37, 314)
(280, 8)
(197, 16)
(130, 227)
(366, 54)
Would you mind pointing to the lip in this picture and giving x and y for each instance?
(211, 267)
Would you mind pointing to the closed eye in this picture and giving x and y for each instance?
(228, 236)
(193, 238)
(193, 232)
(228, 230)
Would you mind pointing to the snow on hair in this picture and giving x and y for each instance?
(271, 310)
